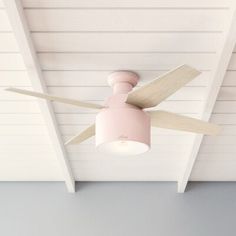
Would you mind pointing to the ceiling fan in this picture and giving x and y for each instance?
(122, 125)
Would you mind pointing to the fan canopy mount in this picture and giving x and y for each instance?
(122, 81)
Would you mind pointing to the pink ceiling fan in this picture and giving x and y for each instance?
(122, 125)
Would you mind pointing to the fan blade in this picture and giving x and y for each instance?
(87, 133)
(159, 89)
(55, 98)
(168, 120)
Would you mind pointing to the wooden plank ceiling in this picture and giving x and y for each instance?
(78, 43)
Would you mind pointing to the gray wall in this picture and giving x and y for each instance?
(132, 209)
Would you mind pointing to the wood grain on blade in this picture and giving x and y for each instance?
(55, 98)
(87, 133)
(168, 120)
(159, 89)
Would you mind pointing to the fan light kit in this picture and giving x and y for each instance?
(122, 126)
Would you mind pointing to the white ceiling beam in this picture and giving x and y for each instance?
(20, 28)
(218, 74)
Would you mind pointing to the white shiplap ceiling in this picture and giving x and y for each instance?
(78, 43)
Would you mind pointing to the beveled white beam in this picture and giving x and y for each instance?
(218, 74)
(20, 28)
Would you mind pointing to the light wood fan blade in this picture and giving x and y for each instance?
(159, 89)
(87, 133)
(168, 120)
(55, 98)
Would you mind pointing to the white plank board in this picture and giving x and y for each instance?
(126, 4)
(129, 61)
(125, 20)
(84, 119)
(225, 107)
(8, 43)
(19, 150)
(218, 149)
(219, 140)
(4, 22)
(126, 42)
(30, 171)
(25, 140)
(230, 78)
(26, 153)
(23, 130)
(11, 61)
(217, 157)
(126, 171)
(14, 107)
(227, 119)
(227, 94)
(21, 119)
(214, 171)
(232, 64)
(14, 78)
(99, 78)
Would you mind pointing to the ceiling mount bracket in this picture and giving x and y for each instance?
(123, 81)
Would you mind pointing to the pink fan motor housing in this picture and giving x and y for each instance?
(122, 125)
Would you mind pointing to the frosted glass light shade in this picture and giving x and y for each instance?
(123, 148)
